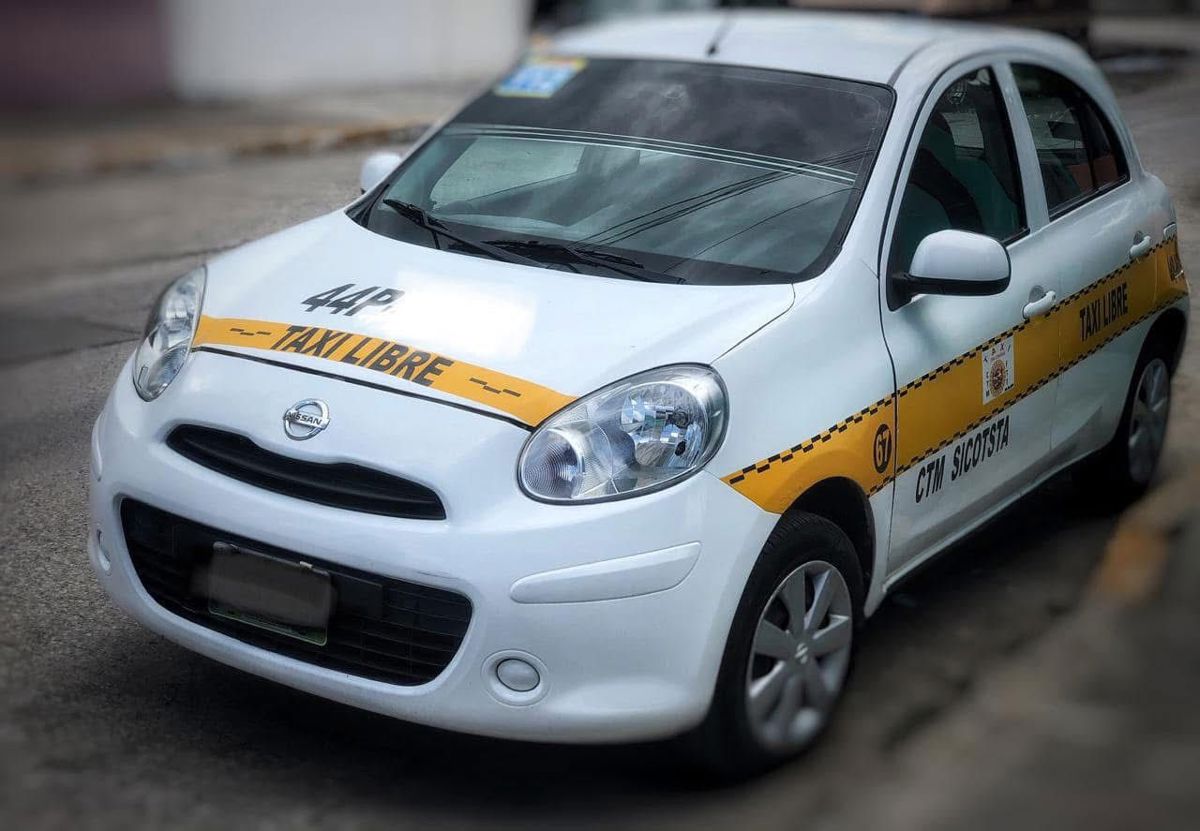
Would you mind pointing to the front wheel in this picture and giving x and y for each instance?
(789, 651)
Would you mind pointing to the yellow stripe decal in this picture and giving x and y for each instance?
(527, 401)
(947, 403)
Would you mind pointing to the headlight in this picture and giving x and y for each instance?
(168, 336)
(634, 436)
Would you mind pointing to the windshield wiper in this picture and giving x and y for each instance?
(570, 256)
(422, 219)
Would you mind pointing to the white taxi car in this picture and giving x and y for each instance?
(612, 409)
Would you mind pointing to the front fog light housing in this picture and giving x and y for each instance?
(168, 336)
(637, 435)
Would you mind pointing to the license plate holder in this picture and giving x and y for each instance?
(289, 598)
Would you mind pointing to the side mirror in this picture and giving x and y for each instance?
(958, 263)
(376, 168)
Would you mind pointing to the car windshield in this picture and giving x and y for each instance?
(652, 170)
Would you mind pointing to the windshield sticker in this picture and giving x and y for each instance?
(540, 77)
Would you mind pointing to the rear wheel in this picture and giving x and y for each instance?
(789, 651)
(1122, 471)
(1148, 421)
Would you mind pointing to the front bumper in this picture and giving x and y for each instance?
(623, 606)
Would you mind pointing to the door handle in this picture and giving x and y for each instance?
(1040, 306)
(1140, 247)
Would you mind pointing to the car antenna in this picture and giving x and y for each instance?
(722, 30)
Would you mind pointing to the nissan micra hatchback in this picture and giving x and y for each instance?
(611, 410)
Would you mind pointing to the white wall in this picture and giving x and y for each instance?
(240, 48)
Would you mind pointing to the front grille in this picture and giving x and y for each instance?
(382, 629)
(339, 485)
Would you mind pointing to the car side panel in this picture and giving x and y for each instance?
(811, 398)
(1108, 293)
(964, 449)
(1109, 297)
(968, 439)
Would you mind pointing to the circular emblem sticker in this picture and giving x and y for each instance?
(998, 369)
(998, 378)
(882, 448)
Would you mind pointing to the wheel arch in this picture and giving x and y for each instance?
(841, 501)
(1170, 329)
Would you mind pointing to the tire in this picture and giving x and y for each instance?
(1122, 471)
(732, 743)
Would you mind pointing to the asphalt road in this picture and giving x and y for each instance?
(105, 725)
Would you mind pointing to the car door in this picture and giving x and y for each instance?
(973, 421)
(1104, 239)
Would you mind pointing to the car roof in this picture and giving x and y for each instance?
(867, 47)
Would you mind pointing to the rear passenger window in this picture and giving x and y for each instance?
(1078, 152)
(964, 175)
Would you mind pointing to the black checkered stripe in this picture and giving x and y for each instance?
(990, 414)
(807, 446)
(1008, 333)
(960, 360)
(803, 447)
(995, 411)
(887, 480)
(1108, 278)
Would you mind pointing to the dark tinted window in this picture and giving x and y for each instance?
(679, 171)
(1078, 153)
(965, 174)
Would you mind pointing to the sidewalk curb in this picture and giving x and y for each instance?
(286, 141)
(312, 140)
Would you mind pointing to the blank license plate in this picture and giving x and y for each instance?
(288, 598)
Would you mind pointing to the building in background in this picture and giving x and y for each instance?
(66, 53)
(72, 52)
(79, 52)
(254, 47)
(1068, 17)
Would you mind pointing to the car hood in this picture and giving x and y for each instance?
(513, 339)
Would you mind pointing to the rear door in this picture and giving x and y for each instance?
(973, 424)
(1104, 244)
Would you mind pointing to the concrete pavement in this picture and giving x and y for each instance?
(1093, 727)
(39, 148)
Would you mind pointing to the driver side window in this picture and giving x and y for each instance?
(965, 175)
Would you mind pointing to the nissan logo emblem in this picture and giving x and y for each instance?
(305, 419)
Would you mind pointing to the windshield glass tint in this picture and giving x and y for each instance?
(645, 170)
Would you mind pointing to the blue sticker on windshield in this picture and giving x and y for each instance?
(540, 77)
